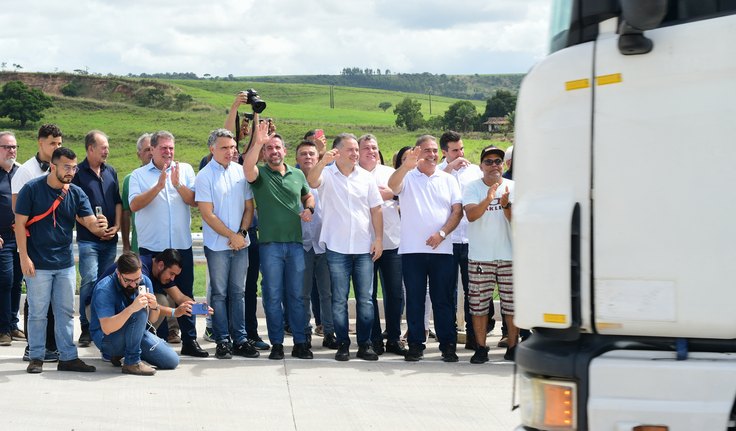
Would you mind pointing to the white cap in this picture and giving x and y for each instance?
(508, 154)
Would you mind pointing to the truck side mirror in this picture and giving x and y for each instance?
(638, 16)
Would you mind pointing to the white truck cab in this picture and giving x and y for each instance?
(625, 219)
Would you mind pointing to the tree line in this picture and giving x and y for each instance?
(461, 116)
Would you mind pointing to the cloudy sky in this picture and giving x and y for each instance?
(273, 37)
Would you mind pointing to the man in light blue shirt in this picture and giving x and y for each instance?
(161, 193)
(226, 202)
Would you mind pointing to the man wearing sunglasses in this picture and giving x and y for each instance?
(487, 203)
(45, 211)
(123, 306)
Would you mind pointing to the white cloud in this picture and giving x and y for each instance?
(245, 37)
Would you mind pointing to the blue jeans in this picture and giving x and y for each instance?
(316, 274)
(134, 342)
(282, 267)
(185, 283)
(360, 268)
(11, 278)
(94, 259)
(55, 288)
(388, 266)
(439, 270)
(227, 269)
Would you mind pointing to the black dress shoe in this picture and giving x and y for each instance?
(343, 353)
(76, 365)
(191, 348)
(301, 351)
(366, 352)
(396, 348)
(330, 342)
(448, 354)
(415, 353)
(378, 347)
(277, 352)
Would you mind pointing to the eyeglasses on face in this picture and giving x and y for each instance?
(71, 169)
(9, 147)
(129, 281)
(491, 162)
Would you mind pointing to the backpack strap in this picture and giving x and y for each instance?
(52, 209)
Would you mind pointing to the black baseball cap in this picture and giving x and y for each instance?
(491, 150)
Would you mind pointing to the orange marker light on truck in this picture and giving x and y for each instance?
(558, 407)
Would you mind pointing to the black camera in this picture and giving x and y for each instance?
(255, 101)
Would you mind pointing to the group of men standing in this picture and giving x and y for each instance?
(369, 221)
(341, 219)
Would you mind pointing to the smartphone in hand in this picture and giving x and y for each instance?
(200, 309)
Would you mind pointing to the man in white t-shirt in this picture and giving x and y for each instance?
(430, 202)
(351, 205)
(487, 204)
(388, 266)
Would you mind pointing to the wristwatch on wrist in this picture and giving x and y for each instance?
(244, 232)
(442, 234)
(311, 209)
(177, 186)
(507, 206)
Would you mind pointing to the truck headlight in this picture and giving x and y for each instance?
(547, 404)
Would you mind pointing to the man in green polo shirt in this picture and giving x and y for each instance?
(283, 201)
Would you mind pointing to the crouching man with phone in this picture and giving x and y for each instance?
(123, 305)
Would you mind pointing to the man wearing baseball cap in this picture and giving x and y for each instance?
(487, 203)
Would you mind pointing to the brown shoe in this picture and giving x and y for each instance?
(18, 335)
(173, 337)
(6, 339)
(35, 367)
(76, 365)
(139, 369)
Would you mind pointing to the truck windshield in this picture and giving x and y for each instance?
(561, 14)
